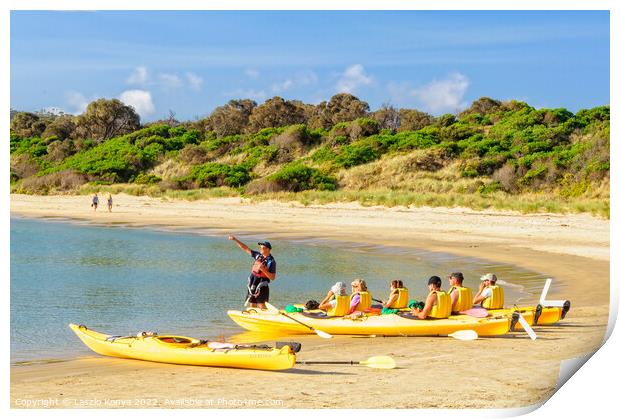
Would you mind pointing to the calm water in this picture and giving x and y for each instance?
(124, 280)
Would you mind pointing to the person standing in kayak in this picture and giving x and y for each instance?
(263, 272)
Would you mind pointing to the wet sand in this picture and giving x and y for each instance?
(572, 248)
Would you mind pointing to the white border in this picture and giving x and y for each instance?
(590, 391)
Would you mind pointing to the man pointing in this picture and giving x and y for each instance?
(263, 271)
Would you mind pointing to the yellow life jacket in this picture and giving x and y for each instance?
(465, 300)
(442, 307)
(402, 300)
(496, 300)
(365, 301)
(342, 306)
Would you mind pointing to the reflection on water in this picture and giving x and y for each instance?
(123, 280)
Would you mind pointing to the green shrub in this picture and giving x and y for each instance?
(297, 177)
(146, 179)
(218, 174)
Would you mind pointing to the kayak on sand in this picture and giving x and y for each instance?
(188, 351)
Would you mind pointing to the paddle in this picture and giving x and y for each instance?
(378, 362)
(543, 295)
(530, 332)
(320, 333)
(464, 335)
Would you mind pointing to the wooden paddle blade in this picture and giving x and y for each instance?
(464, 335)
(379, 362)
(528, 329)
(323, 334)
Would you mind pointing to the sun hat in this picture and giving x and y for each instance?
(339, 288)
(488, 277)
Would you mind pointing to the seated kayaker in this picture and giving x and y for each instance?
(437, 303)
(339, 289)
(396, 292)
(489, 295)
(461, 297)
(360, 298)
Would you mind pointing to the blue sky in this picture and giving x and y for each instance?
(193, 61)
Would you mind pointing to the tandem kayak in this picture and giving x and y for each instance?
(186, 351)
(401, 324)
(536, 316)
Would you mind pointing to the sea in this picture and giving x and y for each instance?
(122, 280)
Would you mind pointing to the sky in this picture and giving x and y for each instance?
(190, 62)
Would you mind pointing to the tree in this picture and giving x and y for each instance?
(231, 118)
(388, 117)
(106, 118)
(346, 107)
(61, 127)
(27, 124)
(275, 112)
(342, 107)
(483, 106)
(413, 120)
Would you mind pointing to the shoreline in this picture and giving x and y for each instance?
(574, 248)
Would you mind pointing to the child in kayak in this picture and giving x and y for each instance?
(394, 291)
(437, 305)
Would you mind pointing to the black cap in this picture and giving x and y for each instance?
(434, 280)
(265, 243)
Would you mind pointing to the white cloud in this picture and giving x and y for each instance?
(170, 81)
(77, 101)
(353, 77)
(257, 95)
(194, 80)
(300, 79)
(141, 101)
(139, 76)
(282, 86)
(252, 73)
(443, 95)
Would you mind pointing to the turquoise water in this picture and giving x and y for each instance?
(121, 280)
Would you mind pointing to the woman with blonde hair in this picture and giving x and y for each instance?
(358, 285)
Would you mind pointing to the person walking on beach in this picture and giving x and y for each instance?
(263, 272)
(109, 202)
(95, 202)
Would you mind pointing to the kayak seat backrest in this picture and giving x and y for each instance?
(402, 300)
(496, 300)
(465, 300)
(365, 301)
(442, 307)
(174, 339)
(342, 306)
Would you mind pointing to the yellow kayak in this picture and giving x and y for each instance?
(536, 316)
(184, 350)
(388, 325)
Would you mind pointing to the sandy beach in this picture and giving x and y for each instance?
(572, 248)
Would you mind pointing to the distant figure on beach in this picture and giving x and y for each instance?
(489, 294)
(437, 305)
(460, 296)
(263, 272)
(95, 202)
(109, 202)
